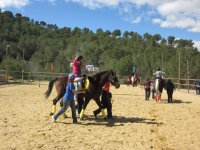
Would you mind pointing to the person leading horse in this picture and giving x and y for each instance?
(93, 91)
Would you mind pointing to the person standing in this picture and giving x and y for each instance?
(147, 88)
(105, 101)
(68, 100)
(169, 86)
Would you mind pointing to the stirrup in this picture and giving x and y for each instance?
(81, 91)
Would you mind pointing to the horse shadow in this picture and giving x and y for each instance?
(117, 121)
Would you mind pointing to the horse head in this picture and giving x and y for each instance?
(113, 79)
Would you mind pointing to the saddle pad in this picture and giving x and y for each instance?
(87, 83)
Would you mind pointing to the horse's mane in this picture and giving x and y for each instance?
(98, 75)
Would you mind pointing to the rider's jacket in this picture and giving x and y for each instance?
(158, 74)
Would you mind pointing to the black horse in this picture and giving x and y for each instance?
(96, 82)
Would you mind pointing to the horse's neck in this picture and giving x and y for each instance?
(100, 79)
(102, 82)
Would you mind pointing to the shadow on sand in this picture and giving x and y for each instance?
(130, 94)
(116, 121)
(176, 101)
(180, 101)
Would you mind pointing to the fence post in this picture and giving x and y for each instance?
(29, 76)
(188, 76)
(179, 71)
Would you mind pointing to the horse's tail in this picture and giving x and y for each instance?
(48, 92)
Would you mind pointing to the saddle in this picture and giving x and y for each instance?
(84, 85)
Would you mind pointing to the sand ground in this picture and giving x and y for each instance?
(25, 122)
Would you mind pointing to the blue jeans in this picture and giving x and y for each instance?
(66, 104)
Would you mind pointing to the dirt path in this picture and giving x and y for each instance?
(25, 122)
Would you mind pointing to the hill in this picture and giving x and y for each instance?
(44, 45)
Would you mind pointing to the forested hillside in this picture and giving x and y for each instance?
(45, 45)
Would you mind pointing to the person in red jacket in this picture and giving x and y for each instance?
(77, 64)
(105, 101)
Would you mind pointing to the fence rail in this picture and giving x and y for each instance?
(29, 77)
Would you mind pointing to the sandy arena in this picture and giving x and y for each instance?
(139, 125)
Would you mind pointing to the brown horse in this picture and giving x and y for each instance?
(96, 82)
(135, 81)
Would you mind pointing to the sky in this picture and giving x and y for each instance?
(178, 18)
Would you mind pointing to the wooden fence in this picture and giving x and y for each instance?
(29, 77)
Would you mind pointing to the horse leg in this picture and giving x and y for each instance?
(53, 107)
(80, 101)
(55, 100)
(84, 107)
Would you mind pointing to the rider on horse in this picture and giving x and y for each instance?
(158, 82)
(159, 74)
(77, 64)
(135, 79)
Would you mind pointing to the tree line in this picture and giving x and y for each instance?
(36, 46)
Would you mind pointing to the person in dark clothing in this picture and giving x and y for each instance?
(152, 87)
(105, 101)
(147, 88)
(169, 86)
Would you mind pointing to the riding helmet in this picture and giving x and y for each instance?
(158, 68)
(71, 76)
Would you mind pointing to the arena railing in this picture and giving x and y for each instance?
(39, 77)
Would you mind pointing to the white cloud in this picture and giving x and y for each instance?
(13, 3)
(93, 4)
(156, 20)
(52, 1)
(136, 20)
(182, 14)
(197, 45)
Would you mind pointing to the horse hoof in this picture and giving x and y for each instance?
(51, 114)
